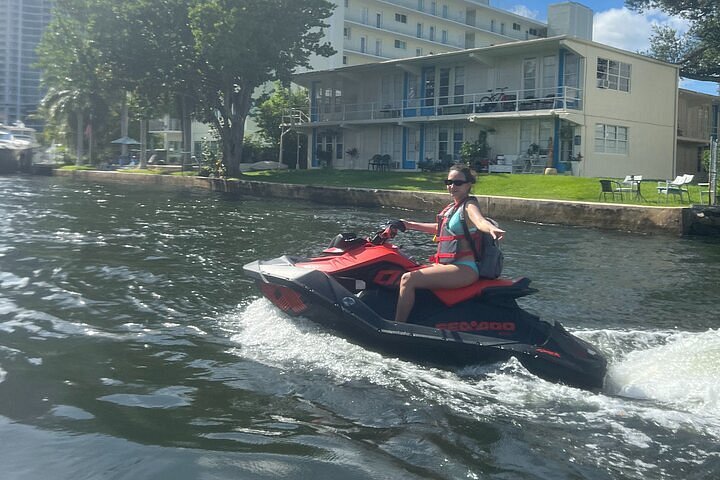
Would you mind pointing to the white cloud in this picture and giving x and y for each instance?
(631, 31)
(525, 11)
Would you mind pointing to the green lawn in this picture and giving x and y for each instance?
(551, 187)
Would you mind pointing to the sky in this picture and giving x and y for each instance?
(614, 25)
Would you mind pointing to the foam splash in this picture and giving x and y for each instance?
(684, 372)
(638, 370)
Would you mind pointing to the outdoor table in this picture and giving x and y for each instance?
(635, 187)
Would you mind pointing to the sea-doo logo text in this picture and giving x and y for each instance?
(504, 327)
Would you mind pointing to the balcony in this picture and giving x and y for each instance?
(505, 103)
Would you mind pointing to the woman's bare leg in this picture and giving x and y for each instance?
(436, 276)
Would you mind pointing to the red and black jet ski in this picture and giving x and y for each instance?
(353, 287)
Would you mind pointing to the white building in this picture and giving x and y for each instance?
(415, 79)
(22, 23)
(364, 31)
(574, 98)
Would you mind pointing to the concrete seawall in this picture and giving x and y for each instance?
(631, 218)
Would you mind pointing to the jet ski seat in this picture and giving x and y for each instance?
(518, 287)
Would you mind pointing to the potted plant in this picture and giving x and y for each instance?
(476, 154)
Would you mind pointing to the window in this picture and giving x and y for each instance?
(346, 32)
(378, 20)
(444, 89)
(421, 5)
(444, 36)
(613, 75)
(432, 34)
(433, 8)
(529, 77)
(611, 139)
(399, 17)
(419, 32)
(502, 29)
(345, 61)
(378, 48)
(549, 71)
(516, 26)
(418, 52)
(533, 31)
(339, 146)
(459, 85)
(363, 44)
(347, 3)
(445, 11)
(429, 79)
(457, 142)
(442, 143)
(400, 44)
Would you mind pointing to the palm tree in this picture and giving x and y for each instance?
(61, 104)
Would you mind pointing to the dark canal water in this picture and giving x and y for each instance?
(131, 347)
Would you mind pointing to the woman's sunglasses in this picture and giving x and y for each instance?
(457, 183)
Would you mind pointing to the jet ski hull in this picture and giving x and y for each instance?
(470, 333)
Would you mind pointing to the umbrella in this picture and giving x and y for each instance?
(126, 141)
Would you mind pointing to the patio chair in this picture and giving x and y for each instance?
(610, 187)
(679, 186)
(380, 162)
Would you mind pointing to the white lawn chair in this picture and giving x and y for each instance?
(679, 186)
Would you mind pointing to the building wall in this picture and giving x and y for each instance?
(375, 30)
(21, 25)
(648, 111)
(623, 122)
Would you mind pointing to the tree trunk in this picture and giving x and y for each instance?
(79, 139)
(91, 141)
(186, 125)
(143, 145)
(124, 127)
(240, 109)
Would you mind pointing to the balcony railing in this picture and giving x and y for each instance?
(475, 104)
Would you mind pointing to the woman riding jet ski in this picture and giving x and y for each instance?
(354, 286)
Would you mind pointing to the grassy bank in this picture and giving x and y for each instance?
(549, 187)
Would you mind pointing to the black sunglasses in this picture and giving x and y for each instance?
(457, 183)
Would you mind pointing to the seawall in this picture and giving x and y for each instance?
(631, 218)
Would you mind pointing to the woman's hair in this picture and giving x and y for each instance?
(465, 170)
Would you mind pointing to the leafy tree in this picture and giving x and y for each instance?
(698, 51)
(245, 43)
(151, 48)
(80, 86)
(269, 116)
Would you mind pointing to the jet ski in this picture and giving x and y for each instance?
(352, 289)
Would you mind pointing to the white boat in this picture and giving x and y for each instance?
(17, 143)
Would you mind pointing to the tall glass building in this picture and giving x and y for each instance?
(21, 26)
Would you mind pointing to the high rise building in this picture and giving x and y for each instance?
(365, 31)
(22, 23)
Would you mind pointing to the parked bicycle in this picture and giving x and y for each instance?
(498, 101)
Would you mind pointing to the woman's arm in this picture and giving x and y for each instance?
(420, 226)
(481, 223)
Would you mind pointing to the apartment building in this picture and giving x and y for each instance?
(698, 120)
(580, 105)
(365, 31)
(22, 23)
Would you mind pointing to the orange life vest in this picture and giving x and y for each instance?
(448, 243)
